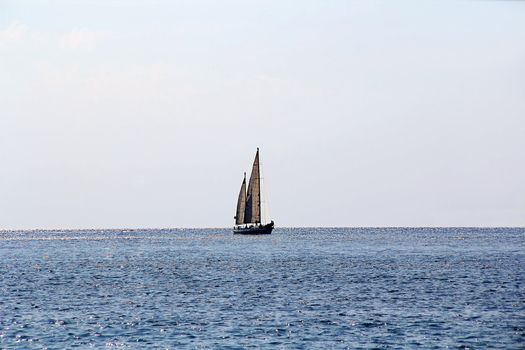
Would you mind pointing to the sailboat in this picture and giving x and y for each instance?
(249, 218)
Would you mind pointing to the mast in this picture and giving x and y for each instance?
(259, 184)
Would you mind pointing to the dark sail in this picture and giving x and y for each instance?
(253, 198)
(241, 203)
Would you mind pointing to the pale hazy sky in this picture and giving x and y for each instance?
(368, 113)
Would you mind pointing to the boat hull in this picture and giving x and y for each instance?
(254, 230)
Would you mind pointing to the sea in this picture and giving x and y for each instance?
(299, 288)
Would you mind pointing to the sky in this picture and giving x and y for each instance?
(145, 114)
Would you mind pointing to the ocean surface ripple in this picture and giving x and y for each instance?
(301, 288)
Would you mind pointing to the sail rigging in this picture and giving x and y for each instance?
(265, 212)
(241, 203)
(251, 206)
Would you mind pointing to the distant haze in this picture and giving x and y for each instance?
(146, 113)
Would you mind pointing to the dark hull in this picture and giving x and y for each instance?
(255, 230)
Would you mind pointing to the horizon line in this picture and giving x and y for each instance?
(226, 228)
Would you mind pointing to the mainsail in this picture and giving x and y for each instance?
(241, 203)
(253, 198)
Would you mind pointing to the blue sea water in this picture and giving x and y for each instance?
(302, 288)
